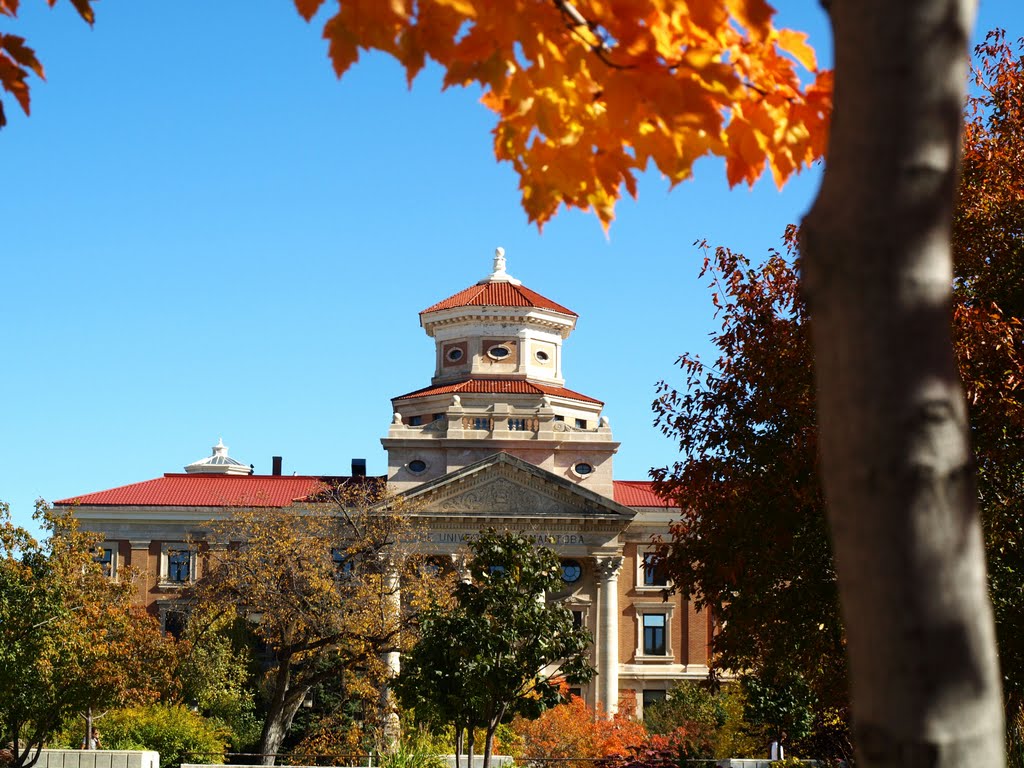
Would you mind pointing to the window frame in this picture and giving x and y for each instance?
(111, 561)
(642, 554)
(651, 608)
(167, 550)
(655, 635)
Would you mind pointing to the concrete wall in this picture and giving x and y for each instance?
(97, 758)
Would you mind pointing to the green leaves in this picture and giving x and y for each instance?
(69, 636)
(484, 662)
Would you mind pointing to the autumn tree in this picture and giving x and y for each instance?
(988, 251)
(215, 670)
(328, 587)
(754, 522)
(752, 545)
(494, 655)
(70, 640)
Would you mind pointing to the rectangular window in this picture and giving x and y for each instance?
(107, 558)
(581, 423)
(654, 634)
(343, 564)
(415, 421)
(655, 574)
(179, 566)
(652, 697)
(438, 416)
(559, 417)
(577, 619)
(577, 692)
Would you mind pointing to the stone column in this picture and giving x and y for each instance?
(392, 731)
(608, 632)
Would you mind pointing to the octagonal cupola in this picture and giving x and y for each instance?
(498, 328)
(218, 463)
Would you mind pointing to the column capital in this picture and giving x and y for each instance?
(608, 566)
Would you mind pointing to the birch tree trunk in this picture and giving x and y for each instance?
(896, 460)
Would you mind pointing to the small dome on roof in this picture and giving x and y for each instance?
(219, 463)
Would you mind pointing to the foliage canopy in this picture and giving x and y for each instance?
(70, 638)
(502, 650)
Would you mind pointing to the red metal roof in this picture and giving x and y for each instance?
(498, 294)
(638, 493)
(182, 490)
(498, 387)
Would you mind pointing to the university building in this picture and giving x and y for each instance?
(495, 440)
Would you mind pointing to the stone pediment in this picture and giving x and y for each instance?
(502, 486)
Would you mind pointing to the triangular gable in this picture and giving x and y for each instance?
(505, 487)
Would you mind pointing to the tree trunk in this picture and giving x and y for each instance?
(88, 728)
(458, 744)
(284, 703)
(897, 467)
(489, 744)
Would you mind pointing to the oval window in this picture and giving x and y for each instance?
(417, 465)
(454, 355)
(571, 571)
(583, 468)
(542, 356)
(498, 352)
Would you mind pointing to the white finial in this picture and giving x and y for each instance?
(499, 275)
(220, 449)
(456, 401)
(396, 418)
(603, 422)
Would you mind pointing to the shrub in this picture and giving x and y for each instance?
(699, 722)
(177, 733)
(571, 731)
(414, 751)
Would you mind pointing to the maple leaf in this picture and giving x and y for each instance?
(588, 94)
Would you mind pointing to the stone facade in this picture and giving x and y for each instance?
(495, 440)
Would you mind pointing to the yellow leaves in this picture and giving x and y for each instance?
(754, 15)
(588, 93)
(464, 8)
(795, 43)
(746, 156)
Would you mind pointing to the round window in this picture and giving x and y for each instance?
(417, 465)
(498, 352)
(542, 356)
(454, 355)
(583, 468)
(571, 571)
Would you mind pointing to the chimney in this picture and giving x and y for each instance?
(358, 467)
(276, 463)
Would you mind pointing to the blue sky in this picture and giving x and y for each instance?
(205, 234)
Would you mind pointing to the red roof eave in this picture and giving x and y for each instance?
(639, 493)
(498, 294)
(197, 490)
(498, 387)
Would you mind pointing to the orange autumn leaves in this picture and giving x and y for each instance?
(571, 730)
(18, 60)
(590, 93)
